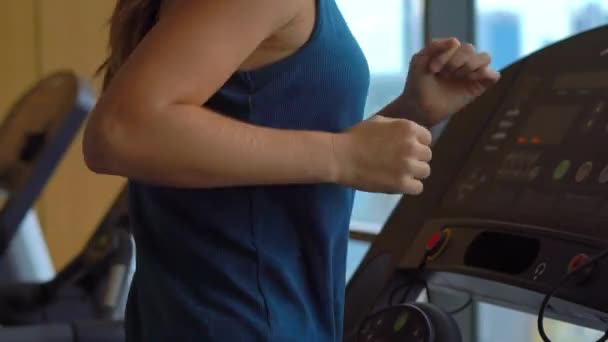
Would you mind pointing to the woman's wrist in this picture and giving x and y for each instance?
(405, 107)
(340, 153)
(327, 154)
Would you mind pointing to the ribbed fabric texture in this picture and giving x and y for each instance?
(260, 263)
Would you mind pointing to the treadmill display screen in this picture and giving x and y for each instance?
(549, 124)
(582, 80)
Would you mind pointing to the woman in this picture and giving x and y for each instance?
(238, 125)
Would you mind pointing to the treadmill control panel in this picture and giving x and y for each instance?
(542, 153)
(518, 198)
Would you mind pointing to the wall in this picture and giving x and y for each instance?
(42, 36)
(18, 57)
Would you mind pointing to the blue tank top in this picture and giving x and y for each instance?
(256, 263)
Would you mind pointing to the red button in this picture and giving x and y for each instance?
(436, 244)
(434, 241)
(577, 262)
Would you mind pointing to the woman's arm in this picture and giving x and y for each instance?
(189, 146)
(149, 124)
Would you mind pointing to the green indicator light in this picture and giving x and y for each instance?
(561, 170)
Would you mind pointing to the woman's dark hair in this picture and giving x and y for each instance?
(130, 22)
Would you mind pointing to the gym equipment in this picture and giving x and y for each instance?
(34, 135)
(411, 322)
(103, 331)
(85, 301)
(517, 201)
(93, 286)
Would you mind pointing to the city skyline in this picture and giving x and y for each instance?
(589, 16)
(390, 33)
(542, 21)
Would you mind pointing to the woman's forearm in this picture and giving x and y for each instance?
(191, 146)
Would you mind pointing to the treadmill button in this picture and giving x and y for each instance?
(513, 112)
(583, 172)
(436, 244)
(604, 176)
(505, 124)
(533, 173)
(599, 107)
(561, 170)
(578, 261)
(499, 136)
(588, 124)
(433, 241)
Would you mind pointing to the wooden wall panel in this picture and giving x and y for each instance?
(18, 67)
(74, 35)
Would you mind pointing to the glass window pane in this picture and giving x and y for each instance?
(498, 324)
(389, 32)
(509, 30)
(356, 252)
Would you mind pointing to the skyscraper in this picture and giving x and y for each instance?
(499, 32)
(589, 16)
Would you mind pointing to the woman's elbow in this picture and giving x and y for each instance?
(96, 151)
(101, 146)
(95, 157)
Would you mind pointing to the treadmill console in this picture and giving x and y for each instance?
(517, 200)
(543, 155)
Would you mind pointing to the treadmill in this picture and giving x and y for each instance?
(84, 300)
(516, 207)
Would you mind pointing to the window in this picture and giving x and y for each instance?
(498, 324)
(515, 28)
(509, 30)
(389, 32)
